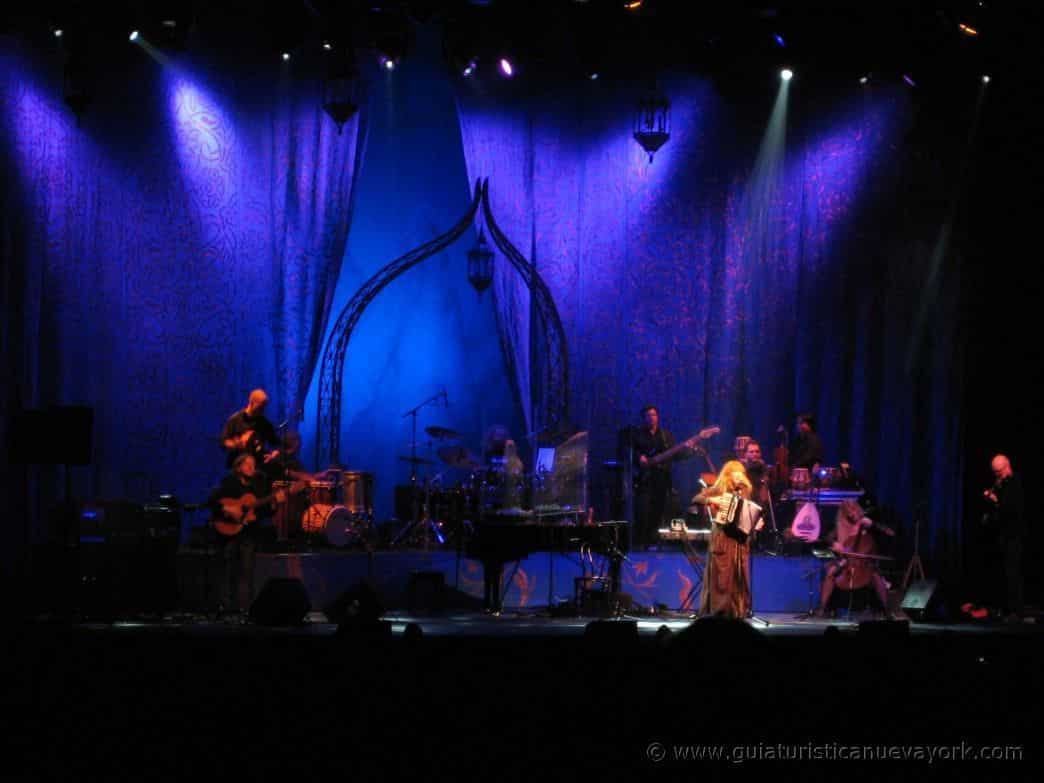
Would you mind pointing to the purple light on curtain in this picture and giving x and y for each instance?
(206, 144)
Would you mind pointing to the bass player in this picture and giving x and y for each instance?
(654, 450)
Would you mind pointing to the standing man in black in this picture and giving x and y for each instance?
(247, 431)
(808, 448)
(654, 490)
(1007, 513)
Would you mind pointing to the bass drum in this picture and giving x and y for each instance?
(336, 523)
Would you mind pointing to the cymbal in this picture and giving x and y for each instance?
(418, 460)
(458, 457)
(442, 433)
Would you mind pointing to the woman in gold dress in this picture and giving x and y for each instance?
(726, 578)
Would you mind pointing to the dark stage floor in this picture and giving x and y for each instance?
(474, 695)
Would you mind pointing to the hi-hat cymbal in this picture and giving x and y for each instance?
(418, 460)
(458, 457)
(442, 433)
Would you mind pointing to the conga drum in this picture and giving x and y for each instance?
(357, 492)
(800, 478)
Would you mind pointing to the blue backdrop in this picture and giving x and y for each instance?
(180, 248)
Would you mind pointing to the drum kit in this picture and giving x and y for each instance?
(336, 507)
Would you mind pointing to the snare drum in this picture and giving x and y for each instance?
(357, 488)
(800, 478)
(321, 493)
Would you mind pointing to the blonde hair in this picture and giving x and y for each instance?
(725, 483)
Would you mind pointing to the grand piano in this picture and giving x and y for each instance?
(509, 535)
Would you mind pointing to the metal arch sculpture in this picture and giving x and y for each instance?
(555, 409)
(331, 387)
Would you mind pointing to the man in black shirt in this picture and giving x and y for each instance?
(654, 491)
(247, 431)
(808, 448)
(239, 549)
(1007, 514)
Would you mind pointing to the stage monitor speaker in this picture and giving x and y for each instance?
(282, 601)
(918, 599)
(358, 604)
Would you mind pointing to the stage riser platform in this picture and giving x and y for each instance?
(780, 584)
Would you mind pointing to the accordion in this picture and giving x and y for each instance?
(734, 510)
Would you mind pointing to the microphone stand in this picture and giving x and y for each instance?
(416, 519)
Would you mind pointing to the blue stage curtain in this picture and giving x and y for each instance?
(735, 291)
(175, 249)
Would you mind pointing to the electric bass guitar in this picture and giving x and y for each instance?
(237, 513)
(654, 459)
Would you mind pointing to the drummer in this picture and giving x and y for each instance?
(504, 465)
(852, 534)
(500, 451)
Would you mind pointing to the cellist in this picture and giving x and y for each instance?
(852, 536)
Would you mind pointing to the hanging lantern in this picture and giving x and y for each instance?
(339, 92)
(480, 265)
(652, 121)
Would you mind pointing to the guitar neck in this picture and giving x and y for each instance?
(663, 456)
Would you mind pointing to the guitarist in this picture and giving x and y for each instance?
(239, 549)
(654, 491)
(247, 431)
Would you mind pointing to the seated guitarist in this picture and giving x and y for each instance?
(654, 492)
(247, 431)
(240, 543)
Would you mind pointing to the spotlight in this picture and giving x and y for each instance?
(286, 57)
(634, 5)
(134, 35)
(985, 78)
(780, 41)
(326, 46)
(593, 76)
(387, 63)
(58, 32)
(506, 68)
(469, 68)
(969, 31)
(908, 80)
(864, 79)
(786, 74)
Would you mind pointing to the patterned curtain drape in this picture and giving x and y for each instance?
(736, 290)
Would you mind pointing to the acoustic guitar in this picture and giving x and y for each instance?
(237, 513)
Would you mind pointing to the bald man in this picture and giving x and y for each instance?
(1007, 516)
(247, 431)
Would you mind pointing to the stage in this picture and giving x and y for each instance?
(663, 580)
